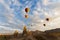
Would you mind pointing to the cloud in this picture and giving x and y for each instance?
(46, 2)
(36, 21)
(11, 22)
(5, 30)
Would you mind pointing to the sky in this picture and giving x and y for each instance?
(12, 15)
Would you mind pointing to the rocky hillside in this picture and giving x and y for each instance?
(33, 35)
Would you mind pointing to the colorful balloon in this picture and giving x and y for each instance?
(26, 16)
(27, 10)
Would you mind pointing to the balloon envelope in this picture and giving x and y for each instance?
(27, 10)
(47, 19)
(26, 16)
(44, 24)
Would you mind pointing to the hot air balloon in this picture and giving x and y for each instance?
(31, 25)
(27, 10)
(47, 19)
(44, 24)
(26, 16)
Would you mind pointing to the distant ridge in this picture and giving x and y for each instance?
(53, 30)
